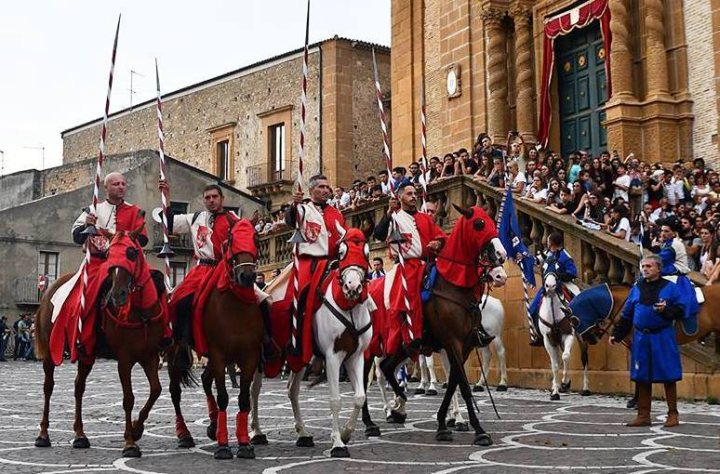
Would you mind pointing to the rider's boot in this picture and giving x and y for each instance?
(484, 338)
(644, 405)
(271, 350)
(574, 320)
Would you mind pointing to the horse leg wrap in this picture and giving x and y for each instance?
(221, 432)
(212, 409)
(241, 427)
(181, 430)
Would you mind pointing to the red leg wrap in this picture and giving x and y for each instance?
(221, 433)
(212, 408)
(241, 428)
(181, 430)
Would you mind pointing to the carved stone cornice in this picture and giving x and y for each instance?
(520, 12)
(492, 16)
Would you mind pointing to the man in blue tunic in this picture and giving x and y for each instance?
(652, 307)
(558, 259)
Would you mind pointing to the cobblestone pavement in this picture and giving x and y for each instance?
(534, 434)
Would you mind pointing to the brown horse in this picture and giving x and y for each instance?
(708, 321)
(451, 315)
(125, 332)
(232, 325)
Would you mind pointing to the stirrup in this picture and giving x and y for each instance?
(484, 338)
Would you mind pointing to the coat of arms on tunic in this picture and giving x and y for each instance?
(407, 242)
(202, 234)
(100, 242)
(312, 231)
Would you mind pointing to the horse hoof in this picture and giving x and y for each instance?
(483, 439)
(632, 403)
(478, 388)
(81, 443)
(372, 430)
(41, 442)
(565, 387)
(419, 391)
(451, 423)
(555, 397)
(223, 452)
(443, 435)
(462, 426)
(211, 429)
(305, 442)
(340, 452)
(586, 393)
(431, 392)
(502, 388)
(259, 440)
(131, 452)
(396, 417)
(186, 442)
(246, 451)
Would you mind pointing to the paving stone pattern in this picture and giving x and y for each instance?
(577, 433)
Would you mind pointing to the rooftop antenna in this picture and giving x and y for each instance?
(133, 73)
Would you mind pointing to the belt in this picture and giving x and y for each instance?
(652, 330)
(210, 262)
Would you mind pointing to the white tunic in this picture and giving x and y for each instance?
(412, 246)
(200, 230)
(105, 213)
(315, 232)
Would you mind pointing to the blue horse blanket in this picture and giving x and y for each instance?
(592, 306)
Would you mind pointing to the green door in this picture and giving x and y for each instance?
(580, 59)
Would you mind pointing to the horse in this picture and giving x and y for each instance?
(232, 325)
(126, 332)
(451, 314)
(342, 331)
(599, 307)
(556, 329)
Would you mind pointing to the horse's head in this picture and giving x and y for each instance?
(353, 258)
(477, 231)
(122, 264)
(241, 253)
(550, 278)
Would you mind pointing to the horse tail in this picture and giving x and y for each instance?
(188, 378)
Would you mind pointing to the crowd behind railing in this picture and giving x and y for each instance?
(623, 197)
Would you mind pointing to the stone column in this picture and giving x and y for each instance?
(620, 54)
(524, 83)
(497, 76)
(656, 62)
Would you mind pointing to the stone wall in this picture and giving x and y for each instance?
(20, 187)
(701, 68)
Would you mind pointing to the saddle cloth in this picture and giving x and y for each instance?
(592, 306)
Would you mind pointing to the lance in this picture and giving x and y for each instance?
(297, 237)
(498, 221)
(395, 235)
(423, 142)
(166, 251)
(92, 230)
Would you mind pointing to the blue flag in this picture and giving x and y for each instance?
(512, 239)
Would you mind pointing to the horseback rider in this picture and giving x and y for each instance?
(318, 225)
(208, 229)
(421, 236)
(674, 257)
(566, 272)
(111, 215)
(652, 306)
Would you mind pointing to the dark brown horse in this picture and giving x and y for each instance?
(232, 325)
(125, 332)
(451, 315)
(708, 321)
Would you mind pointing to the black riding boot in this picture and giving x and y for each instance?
(270, 349)
(484, 338)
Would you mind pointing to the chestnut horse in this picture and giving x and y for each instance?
(451, 314)
(595, 326)
(232, 325)
(125, 332)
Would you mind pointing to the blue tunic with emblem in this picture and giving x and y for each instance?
(655, 353)
(564, 267)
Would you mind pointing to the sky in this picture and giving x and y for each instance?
(55, 55)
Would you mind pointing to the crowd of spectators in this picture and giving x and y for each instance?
(22, 334)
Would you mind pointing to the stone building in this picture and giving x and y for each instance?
(243, 126)
(35, 238)
(628, 75)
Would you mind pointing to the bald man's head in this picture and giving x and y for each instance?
(115, 187)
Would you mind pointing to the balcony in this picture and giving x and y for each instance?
(599, 257)
(275, 187)
(26, 292)
(181, 244)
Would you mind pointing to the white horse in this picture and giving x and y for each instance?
(493, 320)
(556, 330)
(342, 336)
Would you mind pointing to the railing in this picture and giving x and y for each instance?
(257, 175)
(178, 242)
(26, 291)
(599, 257)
